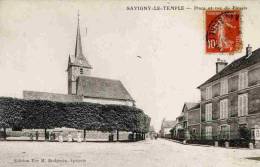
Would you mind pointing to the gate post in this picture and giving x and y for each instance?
(84, 134)
(45, 134)
(5, 133)
(117, 135)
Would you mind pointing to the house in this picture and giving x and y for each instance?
(188, 123)
(166, 127)
(230, 99)
(82, 86)
(193, 122)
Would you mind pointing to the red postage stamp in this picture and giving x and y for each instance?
(223, 31)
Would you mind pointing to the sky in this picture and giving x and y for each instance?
(36, 38)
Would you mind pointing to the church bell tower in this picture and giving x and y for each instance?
(78, 65)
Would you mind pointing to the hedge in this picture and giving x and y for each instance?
(42, 114)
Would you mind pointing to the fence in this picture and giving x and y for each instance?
(222, 135)
(66, 134)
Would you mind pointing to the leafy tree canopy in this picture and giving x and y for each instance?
(41, 114)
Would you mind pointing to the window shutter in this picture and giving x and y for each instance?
(242, 80)
(239, 105)
(206, 113)
(210, 112)
(210, 131)
(207, 93)
(210, 92)
(221, 109)
(246, 79)
(226, 83)
(239, 81)
(226, 108)
(246, 104)
(243, 105)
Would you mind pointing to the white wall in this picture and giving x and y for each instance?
(106, 101)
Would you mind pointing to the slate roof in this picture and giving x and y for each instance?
(35, 95)
(79, 61)
(168, 124)
(102, 88)
(191, 105)
(236, 65)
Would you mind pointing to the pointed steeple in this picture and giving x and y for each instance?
(78, 48)
(79, 58)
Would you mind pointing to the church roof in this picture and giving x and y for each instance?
(79, 61)
(36, 95)
(102, 88)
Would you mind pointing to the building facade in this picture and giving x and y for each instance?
(230, 100)
(229, 109)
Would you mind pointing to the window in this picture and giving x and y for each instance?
(81, 70)
(242, 105)
(223, 109)
(208, 92)
(243, 80)
(224, 87)
(208, 113)
(208, 132)
(224, 132)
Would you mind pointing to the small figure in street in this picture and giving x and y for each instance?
(69, 137)
(51, 136)
(60, 138)
(79, 137)
(47, 135)
(37, 135)
(54, 136)
(31, 136)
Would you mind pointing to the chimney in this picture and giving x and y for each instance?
(248, 51)
(220, 65)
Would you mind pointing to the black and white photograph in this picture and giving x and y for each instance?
(129, 83)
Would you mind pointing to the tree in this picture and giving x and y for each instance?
(244, 133)
(42, 114)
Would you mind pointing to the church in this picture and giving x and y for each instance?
(82, 86)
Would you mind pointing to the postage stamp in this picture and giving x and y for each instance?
(223, 31)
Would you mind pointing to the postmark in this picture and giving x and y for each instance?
(223, 31)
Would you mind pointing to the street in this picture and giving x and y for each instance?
(149, 153)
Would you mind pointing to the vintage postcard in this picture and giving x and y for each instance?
(133, 83)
